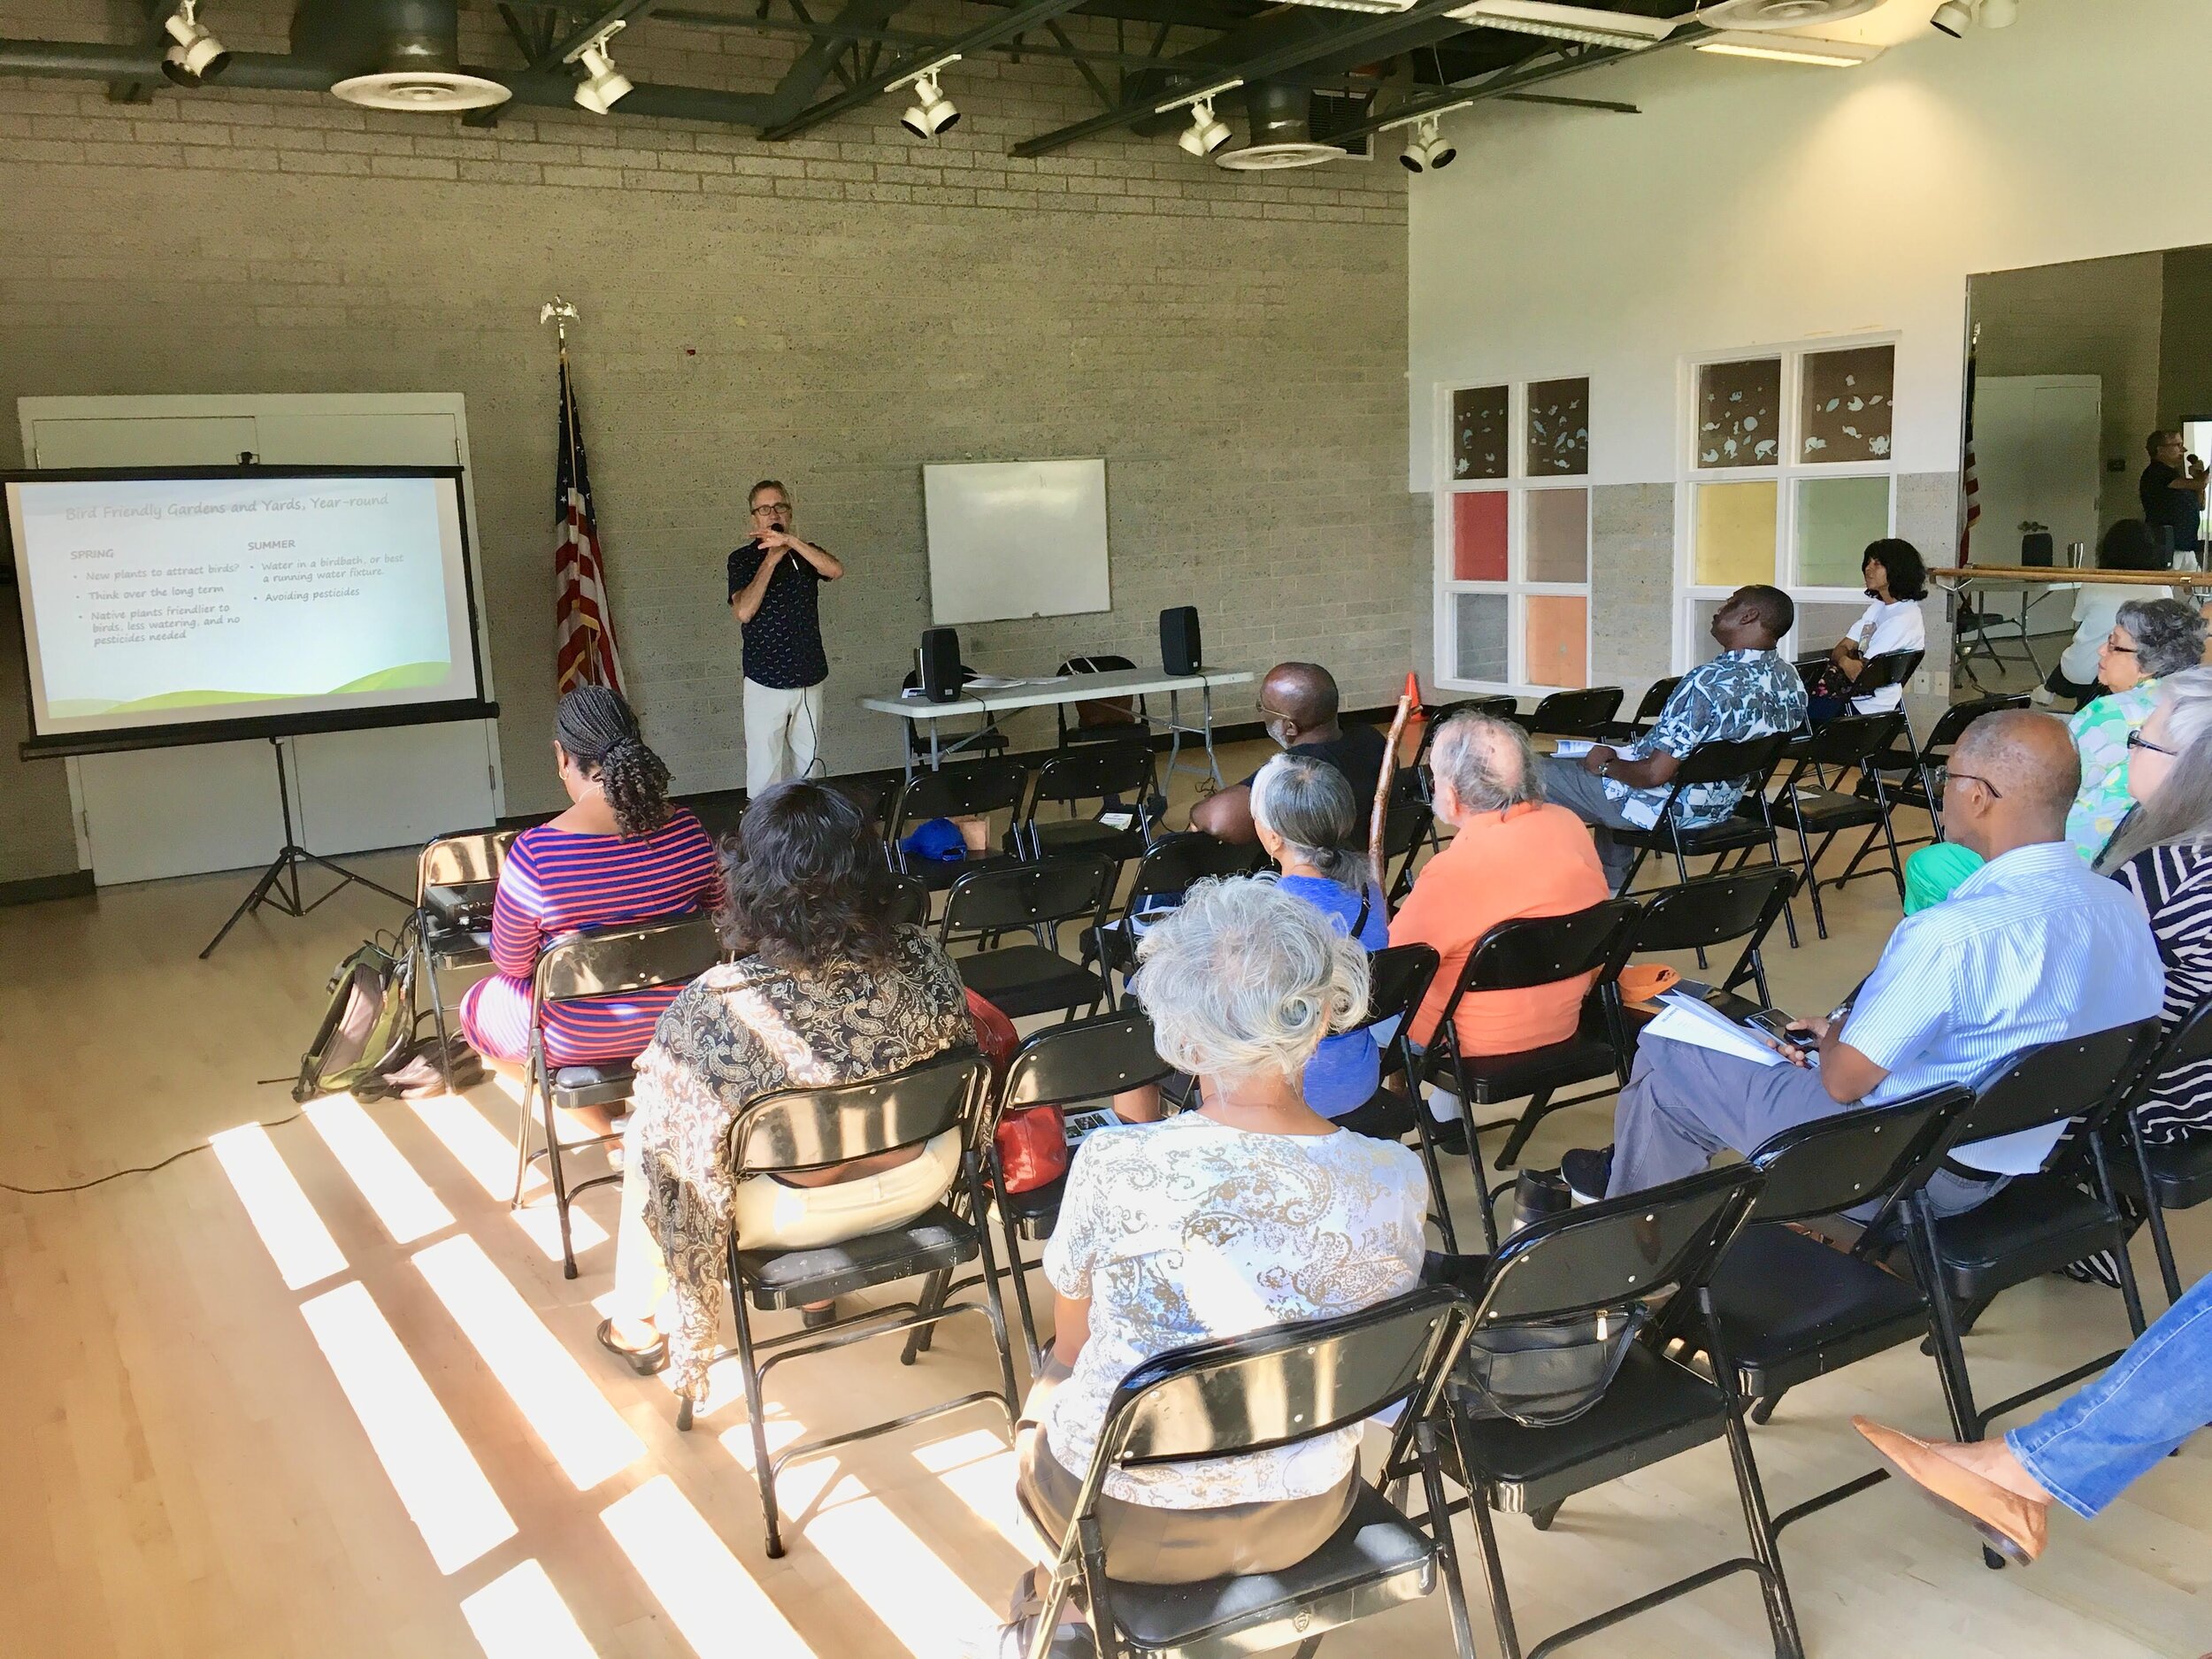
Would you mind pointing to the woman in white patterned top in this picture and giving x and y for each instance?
(2163, 851)
(1250, 1212)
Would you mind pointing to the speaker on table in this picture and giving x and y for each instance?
(941, 664)
(1178, 640)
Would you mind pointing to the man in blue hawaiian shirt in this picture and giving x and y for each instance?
(1748, 691)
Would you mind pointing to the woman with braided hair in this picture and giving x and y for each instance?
(620, 854)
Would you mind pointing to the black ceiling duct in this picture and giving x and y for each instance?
(393, 54)
(1282, 130)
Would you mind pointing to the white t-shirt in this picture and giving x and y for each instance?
(2096, 608)
(1185, 1231)
(1881, 629)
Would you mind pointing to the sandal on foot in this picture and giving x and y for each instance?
(646, 1361)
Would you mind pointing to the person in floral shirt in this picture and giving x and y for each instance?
(2150, 639)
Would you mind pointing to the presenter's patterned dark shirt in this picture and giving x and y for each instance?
(1737, 696)
(783, 641)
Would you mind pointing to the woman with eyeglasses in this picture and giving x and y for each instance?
(2127, 546)
(2150, 639)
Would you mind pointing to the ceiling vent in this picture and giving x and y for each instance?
(1281, 134)
(393, 54)
(1779, 14)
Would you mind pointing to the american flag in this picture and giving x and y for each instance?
(1971, 482)
(584, 652)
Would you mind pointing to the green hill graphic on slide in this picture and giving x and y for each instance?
(405, 677)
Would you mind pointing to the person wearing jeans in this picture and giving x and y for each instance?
(2083, 1453)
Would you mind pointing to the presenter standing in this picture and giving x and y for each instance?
(775, 581)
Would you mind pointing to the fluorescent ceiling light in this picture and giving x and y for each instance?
(1790, 48)
(1593, 25)
(1356, 5)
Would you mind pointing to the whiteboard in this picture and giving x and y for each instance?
(1011, 539)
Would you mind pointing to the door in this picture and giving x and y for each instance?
(2038, 452)
(351, 791)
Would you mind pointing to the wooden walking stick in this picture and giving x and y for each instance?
(1379, 817)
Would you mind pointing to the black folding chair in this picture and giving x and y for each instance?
(1112, 720)
(976, 789)
(1919, 772)
(456, 876)
(1096, 772)
(1175, 864)
(1847, 742)
(1087, 1062)
(1750, 764)
(909, 902)
(1277, 1387)
(1583, 713)
(1036, 899)
(1597, 1268)
(1791, 1307)
(1714, 910)
(1398, 979)
(986, 739)
(1520, 956)
(2036, 1224)
(812, 1128)
(1648, 709)
(1409, 823)
(2163, 1175)
(617, 961)
(1434, 714)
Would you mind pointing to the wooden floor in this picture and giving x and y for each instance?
(320, 1392)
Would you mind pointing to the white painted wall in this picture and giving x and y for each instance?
(1753, 204)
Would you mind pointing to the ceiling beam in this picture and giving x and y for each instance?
(904, 40)
(1325, 43)
(1017, 21)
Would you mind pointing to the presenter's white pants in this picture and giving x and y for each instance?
(782, 732)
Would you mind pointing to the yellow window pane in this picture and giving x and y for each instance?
(1556, 642)
(1735, 535)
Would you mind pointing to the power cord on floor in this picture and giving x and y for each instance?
(142, 1169)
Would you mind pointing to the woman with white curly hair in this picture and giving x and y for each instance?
(1251, 1211)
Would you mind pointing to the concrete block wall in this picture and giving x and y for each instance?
(835, 311)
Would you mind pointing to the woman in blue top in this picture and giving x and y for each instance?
(1303, 810)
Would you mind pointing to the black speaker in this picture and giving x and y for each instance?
(1178, 640)
(2036, 548)
(941, 664)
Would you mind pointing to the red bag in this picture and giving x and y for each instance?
(1032, 1144)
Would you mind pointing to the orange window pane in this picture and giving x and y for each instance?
(1556, 645)
(1479, 536)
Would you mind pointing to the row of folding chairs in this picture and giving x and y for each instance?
(1124, 773)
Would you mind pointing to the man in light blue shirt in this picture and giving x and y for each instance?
(2031, 948)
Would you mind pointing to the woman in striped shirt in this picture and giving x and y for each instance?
(2164, 853)
(621, 855)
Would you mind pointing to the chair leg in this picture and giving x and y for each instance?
(1436, 1174)
(1950, 1353)
(994, 1305)
(2131, 1293)
(1492, 1570)
(1532, 1114)
(1781, 1616)
(1446, 1545)
(1812, 877)
(1635, 863)
(931, 1299)
(755, 1414)
(1896, 861)
(437, 1017)
(1033, 1351)
(1789, 911)
(2157, 1212)
(1762, 1409)
(560, 1184)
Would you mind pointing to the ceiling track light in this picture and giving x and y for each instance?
(1428, 152)
(603, 86)
(1788, 48)
(1952, 18)
(195, 55)
(1206, 133)
(1590, 26)
(932, 112)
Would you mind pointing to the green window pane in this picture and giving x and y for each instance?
(1735, 535)
(1836, 519)
(1558, 535)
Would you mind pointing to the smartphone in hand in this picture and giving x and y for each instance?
(1776, 1024)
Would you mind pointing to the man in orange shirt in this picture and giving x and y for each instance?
(1512, 856)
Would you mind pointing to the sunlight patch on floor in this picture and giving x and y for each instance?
(401, 1199)
(519, 1615)
(718, 1606)
(293, 1234)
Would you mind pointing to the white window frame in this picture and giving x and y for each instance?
(1517, 486)
(1786, 476)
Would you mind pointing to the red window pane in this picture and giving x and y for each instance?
(1479, 536)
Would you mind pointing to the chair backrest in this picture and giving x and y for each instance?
(2187, 1044)
(1122, 767)
(1849, 740)
(1576, 713)
(1619, 1251)
(971, 789)
(1655, 698)
(807, 1128)
(1404, 822)
(1534, 950)
(1028, 895)
(1714, 910)
(1285, 1383)
(1177, 861)
(620, 961)
(909, 902)
(1088, 1059)
(1952, 723)
(469, 855)
(1891, 668)
(1748, 762)
(1101, 720)
(1832, 1163)
(1398, 978)
(1433, 715)
(2071, 1077)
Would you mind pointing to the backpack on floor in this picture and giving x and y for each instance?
(370, 1024)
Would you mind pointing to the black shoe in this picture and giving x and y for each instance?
(815, 1318)
(646, 1361)
(1538, 1194)
(1588, 1172)
(1448, 1134)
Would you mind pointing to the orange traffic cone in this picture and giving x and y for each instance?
(1413, 695)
